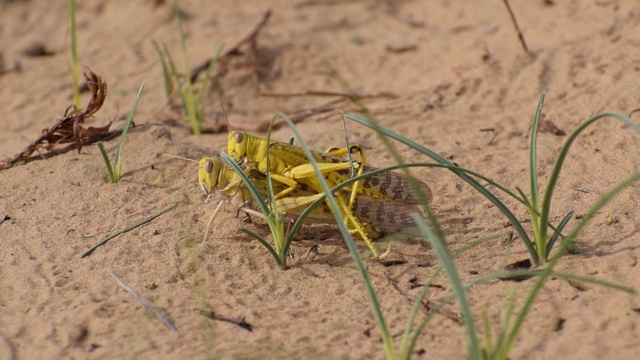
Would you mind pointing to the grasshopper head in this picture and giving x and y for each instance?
(208, 173)
(237, 145)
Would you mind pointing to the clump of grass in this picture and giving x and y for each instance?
(539, 247)
(540, 244)
(192, 99)
(274, 218)
(512, 321)
(412, 332)
(114, 169)
(500, 347)
(540, 212)
(348, 238)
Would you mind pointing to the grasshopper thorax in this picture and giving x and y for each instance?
(237, 145)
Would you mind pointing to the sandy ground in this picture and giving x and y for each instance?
(463, 86)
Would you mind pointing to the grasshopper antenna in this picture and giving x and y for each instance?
(179, 157)
(224, 113)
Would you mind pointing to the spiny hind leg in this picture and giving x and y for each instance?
(354, 224)
(353, 149)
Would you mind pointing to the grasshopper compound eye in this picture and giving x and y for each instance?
(208, 166)
(239, 137)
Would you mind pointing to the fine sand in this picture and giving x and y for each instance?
(451, 75)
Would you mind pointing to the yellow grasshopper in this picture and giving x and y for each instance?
(289, 165)
(379, 216)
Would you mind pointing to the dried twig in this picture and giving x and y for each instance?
(515, 24)
(223, 64)
(550, 126)
(547, 126)
(239, 322)
(235, 50)
(69, 129)
(353, 97)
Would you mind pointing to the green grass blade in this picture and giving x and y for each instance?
(406, 349)
(75, 74)
(172, 66)
(555, 174)
(173, 72)
(117, 173)
(116, 160)
(167, 82)
(477, 186)
(539, 219)
(264, 208)
(488, 348)
(93, 248)
(107, 162)
(409, 339)
(207, 75)
(566, 243)
(590, 280)
(277, 225)
(186, 89)
(264, 243)
(183, 43)
(557, 232)
(274, 220)
(533, 153)
(446, 260)
(382, 326)
(524, 199)
(501, 351)
(271, 194)
(600, 203)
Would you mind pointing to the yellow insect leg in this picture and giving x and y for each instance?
(352, 222)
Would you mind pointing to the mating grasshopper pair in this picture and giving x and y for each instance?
(372, 207)
(215, 175)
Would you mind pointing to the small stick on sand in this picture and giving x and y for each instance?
(515, 24)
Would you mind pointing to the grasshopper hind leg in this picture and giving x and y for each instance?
(355, 225)
(353, 149)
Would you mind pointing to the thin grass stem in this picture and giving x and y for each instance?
(75, 71)
(145, 302)
(555, 174)
(387, 339)
(477, 186)
(446, 261)
(149, 219)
